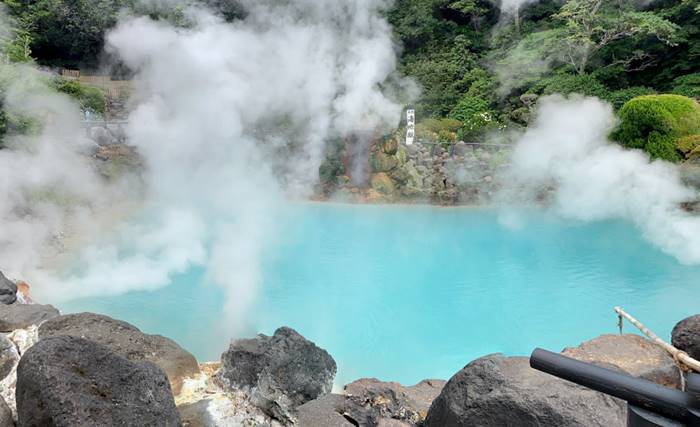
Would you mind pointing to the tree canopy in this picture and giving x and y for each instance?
(474, 63)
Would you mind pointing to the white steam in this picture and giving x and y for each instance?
(566, 153)
(512, 7)
(48, 186)
(231, 119)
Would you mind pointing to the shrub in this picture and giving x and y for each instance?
(662, 147)
(90, 98)
(441, 125)
(618, 98)
(475, 115)
(445, 135)
(655, 123)
(438, 129)
(329, 171)
(688, 85)
(565, 84)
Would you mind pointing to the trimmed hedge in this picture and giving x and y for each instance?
(656, 124)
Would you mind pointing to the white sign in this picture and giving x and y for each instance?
(410, 126)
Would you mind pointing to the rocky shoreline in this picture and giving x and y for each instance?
(89, 369)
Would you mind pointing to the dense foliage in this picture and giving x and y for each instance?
(475, 64)
(485, 68)
(666, 126)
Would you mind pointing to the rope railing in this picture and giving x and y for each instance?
(680, 357)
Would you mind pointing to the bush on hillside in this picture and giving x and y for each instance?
(656, 124)
(438, 129)
(89, 98)
(475, 115)
(618, 98)
(565, 84)
(662, 147)
(688, 85)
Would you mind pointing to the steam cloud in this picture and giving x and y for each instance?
(231, 119)
(566, 150)
(511, 7)
(48, 187)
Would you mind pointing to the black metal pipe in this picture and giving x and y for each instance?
(645, 394)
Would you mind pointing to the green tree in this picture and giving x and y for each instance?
(67, 32)
(18, 48)
(590, 25)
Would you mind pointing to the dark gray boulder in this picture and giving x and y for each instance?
(498, 391)
(326, 411)
(20, 316)
(127, 341)
(6, 419)
(335, 410)
(8, 290)
(393, 401)
(282, 371)
(70, 381)
(686, 336)
(9, 356)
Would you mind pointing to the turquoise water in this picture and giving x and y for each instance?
(407, 293)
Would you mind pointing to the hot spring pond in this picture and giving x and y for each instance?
(407, 293)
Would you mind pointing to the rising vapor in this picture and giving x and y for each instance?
(565, 158)
(232, 119)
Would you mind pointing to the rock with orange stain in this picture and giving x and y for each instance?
(23, 290)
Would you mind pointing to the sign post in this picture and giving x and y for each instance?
(410, 125)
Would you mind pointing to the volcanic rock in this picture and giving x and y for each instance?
(21, 340)
(686, 336)
(282, 371)
(21, 316)
(9, 356)
(503, 391)
(8, 290)
(391, 145)
(391, 400)
(631, 353)
(382, 162)
(70, 381)
(127, 341)
(382, 183)
(6, 419)
(326, 411)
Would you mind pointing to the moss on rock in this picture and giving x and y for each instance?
(383, 184)
(382, 162)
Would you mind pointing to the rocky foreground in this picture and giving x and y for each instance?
(91, 370)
